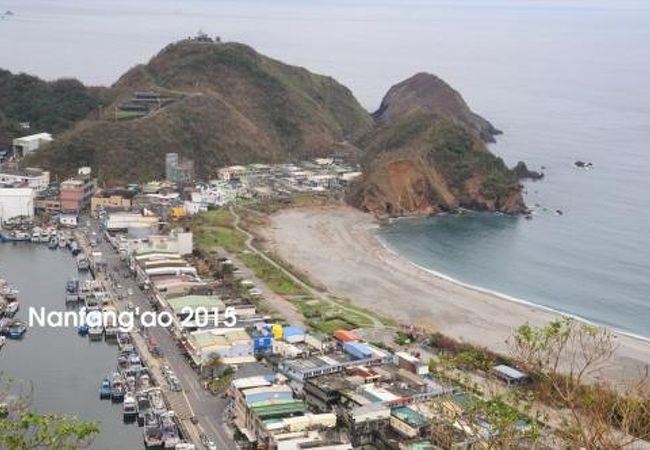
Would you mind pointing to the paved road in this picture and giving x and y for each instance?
(208, 409)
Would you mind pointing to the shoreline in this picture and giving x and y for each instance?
(501, 295)
(338, 247)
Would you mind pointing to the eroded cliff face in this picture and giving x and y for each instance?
(424, 164)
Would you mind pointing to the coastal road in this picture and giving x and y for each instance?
(207, 408)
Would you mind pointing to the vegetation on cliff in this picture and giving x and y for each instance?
(51, 106)
(427, 154)
(425, 163)
(227, 104)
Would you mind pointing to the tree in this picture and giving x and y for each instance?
(214, 363)
(563, 357)
(485, 415)
(23, 429)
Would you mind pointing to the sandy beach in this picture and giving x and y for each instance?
(337, 247)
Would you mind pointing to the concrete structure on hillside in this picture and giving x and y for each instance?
(25, 145)
(33, 178)
(16, 202)
(75, 193)
(178, 170)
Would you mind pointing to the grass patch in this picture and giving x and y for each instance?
(349, 305)
(215, 229)
(330, 326)
(275, 279)
(217, 236)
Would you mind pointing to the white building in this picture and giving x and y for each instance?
(226, 173)
(16, 202)
(136, 222)
(32, 178)
(27, 144)
(178, 241)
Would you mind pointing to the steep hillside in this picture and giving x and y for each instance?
(223, 103)
(48, 106)
(425, 92)
(425, 163)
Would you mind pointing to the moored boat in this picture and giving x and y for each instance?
(151, 432)
(169, 429)
(105, 389)
(117, 388)
(82, 262)
(96, 333)
(143, 405)
(16, 330)
(129, 408)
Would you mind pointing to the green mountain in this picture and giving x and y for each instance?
(47, 106)
(217, 103)
(427, 155)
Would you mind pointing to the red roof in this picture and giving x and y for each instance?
(346, 336)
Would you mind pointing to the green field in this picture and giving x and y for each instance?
(274, 278)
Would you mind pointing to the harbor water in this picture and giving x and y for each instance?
(63, 369)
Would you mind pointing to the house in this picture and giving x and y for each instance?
(76, 193)
(27, 144)
(36, 179)
(510, 375)
(114, 199)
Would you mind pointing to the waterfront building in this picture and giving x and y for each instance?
(16, 202)
(33, 178)
(75, 193)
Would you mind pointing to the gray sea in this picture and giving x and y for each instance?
(60, 369)
(564, 79)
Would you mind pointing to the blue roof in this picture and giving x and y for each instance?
(292, 331)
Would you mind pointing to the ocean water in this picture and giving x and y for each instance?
(564, 79)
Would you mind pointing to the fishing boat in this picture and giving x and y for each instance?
(16, 330)
(8, 292)
(3, 340)
(72, 291)
(82, 262)
(129, 408)
(156, 401)
(53, 244)
(12, 308)
(169, 429)
(74, 248)
(144, 381)
(124, 341)
(143, 405)
(151, 432)
(62, 242)
(117, 388)
(15, 236)
(96, 333)
(105, 389)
